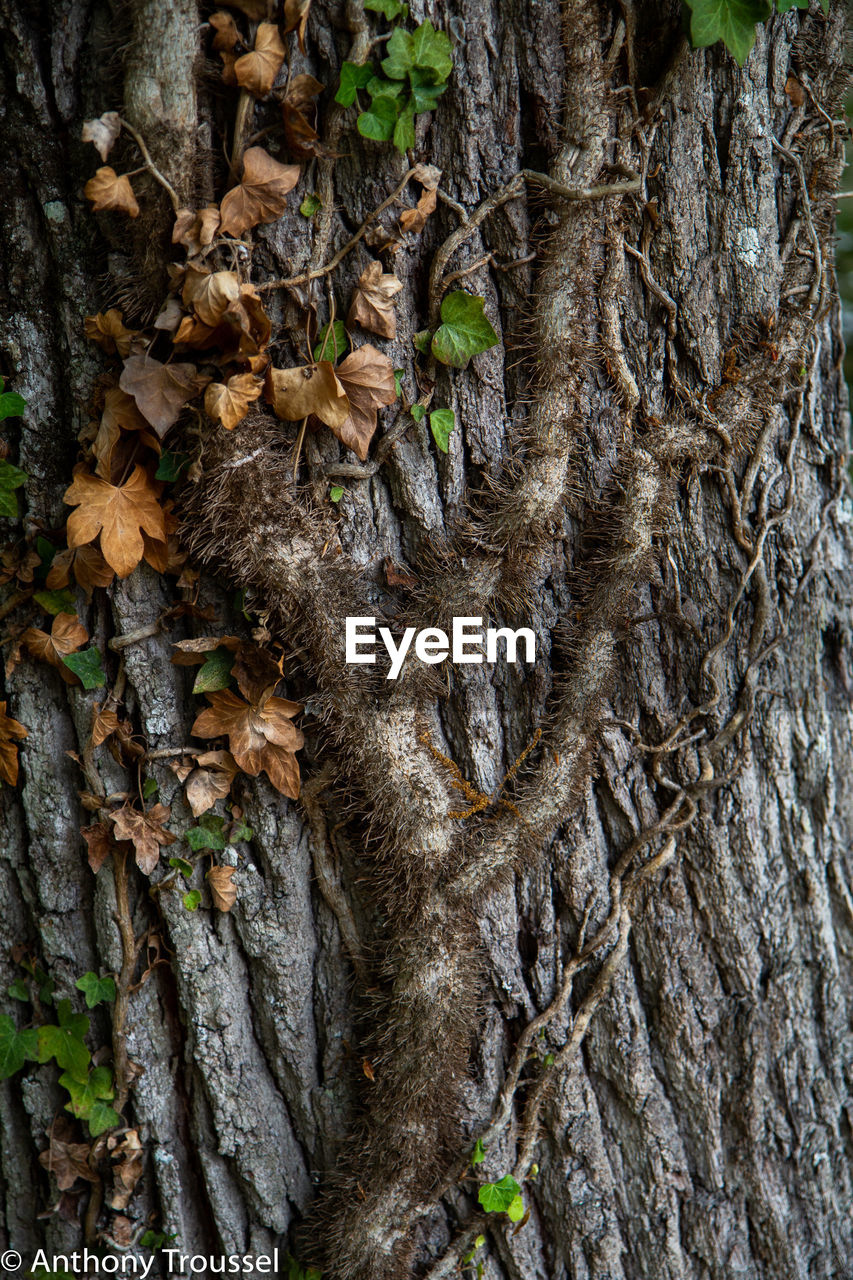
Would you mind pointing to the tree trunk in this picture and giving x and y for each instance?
(627, 967)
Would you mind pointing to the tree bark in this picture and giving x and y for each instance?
(649, 470)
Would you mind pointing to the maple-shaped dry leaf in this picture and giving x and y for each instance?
(102, 131)
(296, 19)
(261, 195)
(10, 729)
(229, 402)
(256, 71)
(195, 231)
(225, 27)
(86, 563)
(367, 376)
(104, 723)
(211, 781)
(109, 332)
(145, 831)
(118, 513)
(372, 303)
(223, 892)
(210, 293)
(260, 735)
(415, 219)
(99, 844)
(108, 190)
(160, 390)
(65, 1159)
(296, 393)
(66, 635)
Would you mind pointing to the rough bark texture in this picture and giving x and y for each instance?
(646, 419)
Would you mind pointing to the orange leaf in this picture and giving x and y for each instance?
(108, 190)
(211, 781)
(66, 635)
(160, 390)
(195, 231)
(296, 393)
(256, 71)
(145, 831)
(225, 27)
(367, 376)
(210, 293)
(118, 513)
(99, 844)
(372, 306)
(261, 195)
(260, 735)
(89, 567)
(109, 332)
(10, 729)
(229, 402)
(104, 723)
(415, 219)
(223, 892)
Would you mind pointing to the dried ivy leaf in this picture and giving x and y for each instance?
(298, 101)
(108, 190)
(256, 71)
(296, 19)
(160, 390)
(66, 635)
(260, 736)
(415, 219)
(372, 304)
(195, 231)
(127, 1167)
(65, 1159)
(145, 831)
(99, 844)
(88, 566)
(367, 377)
(211, 781)
(227, 35)
(103, 132)
(104, 723)
(261, 195)
(229, 402)
(296, 393)
(223, 892)
(109, 332)
(210, 293)
(10, 729)
(118, 513)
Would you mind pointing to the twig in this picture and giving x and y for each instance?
(151, 166)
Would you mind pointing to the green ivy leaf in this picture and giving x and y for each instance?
(16, 1047)
(353, 78)
(417, 411)
(399, 58)
(331, 346)
(431, 51)
(309, 206)
(478, 1155)
(389, 9)
(55, 602)
(336, 493)
(378, 122)
(87, 665)
(496, 1197)
(97, 1086)
(441, 424)
(150, 787)
(170, 466)
(241, 831)
(65, 1042)
(399, 375)
(11, 478)
(425, 93)
(732, 21)
(515, 1209)
(209, 834)
(96, 990)
(379, 88)
(192, 899)
(215, 672)
(464, 330)
(404, 129)
(18, 990)
(421, 341)
(181, 864)
(101, 1118)
(11, 404)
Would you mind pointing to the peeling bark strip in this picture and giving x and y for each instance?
(654, 479)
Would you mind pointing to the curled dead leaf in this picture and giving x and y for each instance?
(415, 219)
(160, 390)
(223, 892)
(99, 843)
(102, 132)
(104, 723)
(256, 71)
(296, 19)
(227, 35)
(296, 393)
(109, 332)
(261, 194)
(210, 293)
(145, 831)
(210, 781)
(367, 377)
(195, 231)
(66, 635)
(109, 190)
(65, 1159)
(229, 402)
(10, 729)
(372, 304)
(260, 736)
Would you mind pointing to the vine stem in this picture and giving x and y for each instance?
(150, 165)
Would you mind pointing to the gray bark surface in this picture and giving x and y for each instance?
(703, 1130)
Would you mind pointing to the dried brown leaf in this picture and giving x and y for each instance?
(10, 729)
(260, 735)
(109, 332)
(296, 393)
(296, 19)
(145, 831)
(195, 231)
(225, 27)
(108, 190)
(367, 376)
(104, 723)
(66, 1160)
(223, 892)
(256, 71)
(372, 303)
(210, 293)
(103, 132)
(86, 563)
(160, 390)
(261, 195)
(127, 1169)
(118, 512)
(211, 781)
(229, 402)
(415, 219)
(66, 635)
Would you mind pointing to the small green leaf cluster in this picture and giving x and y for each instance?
(90, 1089)
(502, 1197)
(734, 22)
(415, 72)
(209, 836)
